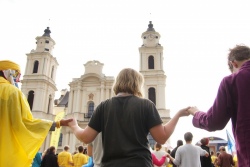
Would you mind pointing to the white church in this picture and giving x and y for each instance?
(92, 87)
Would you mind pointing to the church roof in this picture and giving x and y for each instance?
(63, 101)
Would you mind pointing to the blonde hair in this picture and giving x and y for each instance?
(129, 81)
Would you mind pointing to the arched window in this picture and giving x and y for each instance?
(35, 67)
(151, 95)
(31, 98)
(151, 62)
(151, 141)
(60, 140)
(52, 71)
(90, 108)
(50, 98)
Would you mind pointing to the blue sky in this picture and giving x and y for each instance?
(196, 36)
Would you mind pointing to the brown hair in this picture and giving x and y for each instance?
(239, 53)
(129, 81)
(204, 141)
(157, 146)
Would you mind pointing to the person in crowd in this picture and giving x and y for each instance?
(23, 133)
(159, 154)
(79, 158)
(37, 160)
(65, 158)
(158, 162)
(232, 102)
(188, 155)
(169, 163)
(95, 150)
(50, 159)
(125, 121)
(224, 159)
(173, 152)
(213, 158)
(205, 160)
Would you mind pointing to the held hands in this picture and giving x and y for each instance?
(72, 124)
(183, 112)
(192, 110)
(65, 122)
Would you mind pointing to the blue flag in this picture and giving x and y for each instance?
(230, 143)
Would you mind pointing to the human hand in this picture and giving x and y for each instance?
(64, 122)
(193, 110)
(184, 112)
(168, 155)
(73, 123)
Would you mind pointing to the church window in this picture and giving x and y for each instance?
(31, 98)
(156, 37)
(151, 140)
(151, 62)
(50, 98)
(90, 109)
(60, 140)
(47, 41)
(144, 37)
(35, 67)
(46, 49)
(151, 95)
(52, 72)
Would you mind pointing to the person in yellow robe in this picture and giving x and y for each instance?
(79, 159)
(21, 135)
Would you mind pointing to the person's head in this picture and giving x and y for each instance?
(129, 81)
(237, 56)
(188, 137)
(80, 149)
(52, 149)
(66, 148)
(217, 154)
(222, 149)
(179, 143)
(204, 141)
(10, 71)
(157, 146)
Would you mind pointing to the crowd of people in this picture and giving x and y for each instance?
(182, 155)
(125, 120)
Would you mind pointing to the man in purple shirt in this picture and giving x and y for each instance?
(232, 102)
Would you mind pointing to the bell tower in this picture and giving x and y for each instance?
(38, 82)
(151, 66)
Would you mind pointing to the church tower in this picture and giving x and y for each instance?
(38, 82)
(151, 66)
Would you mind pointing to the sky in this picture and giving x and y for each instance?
(196, 36)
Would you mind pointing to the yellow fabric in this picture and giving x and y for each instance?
(80, 159)
(213, 158)
(7, 64)
(235, 159)
(21, 135)
(56, 134)
(64, 158)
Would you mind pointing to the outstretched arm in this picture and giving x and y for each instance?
(161, 133)
(86, 135)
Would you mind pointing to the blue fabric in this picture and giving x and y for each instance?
(37, 160)
(90, 163)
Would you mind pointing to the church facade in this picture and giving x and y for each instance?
(92, 87)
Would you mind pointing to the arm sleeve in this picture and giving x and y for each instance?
(219, 114)
(177, 160)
